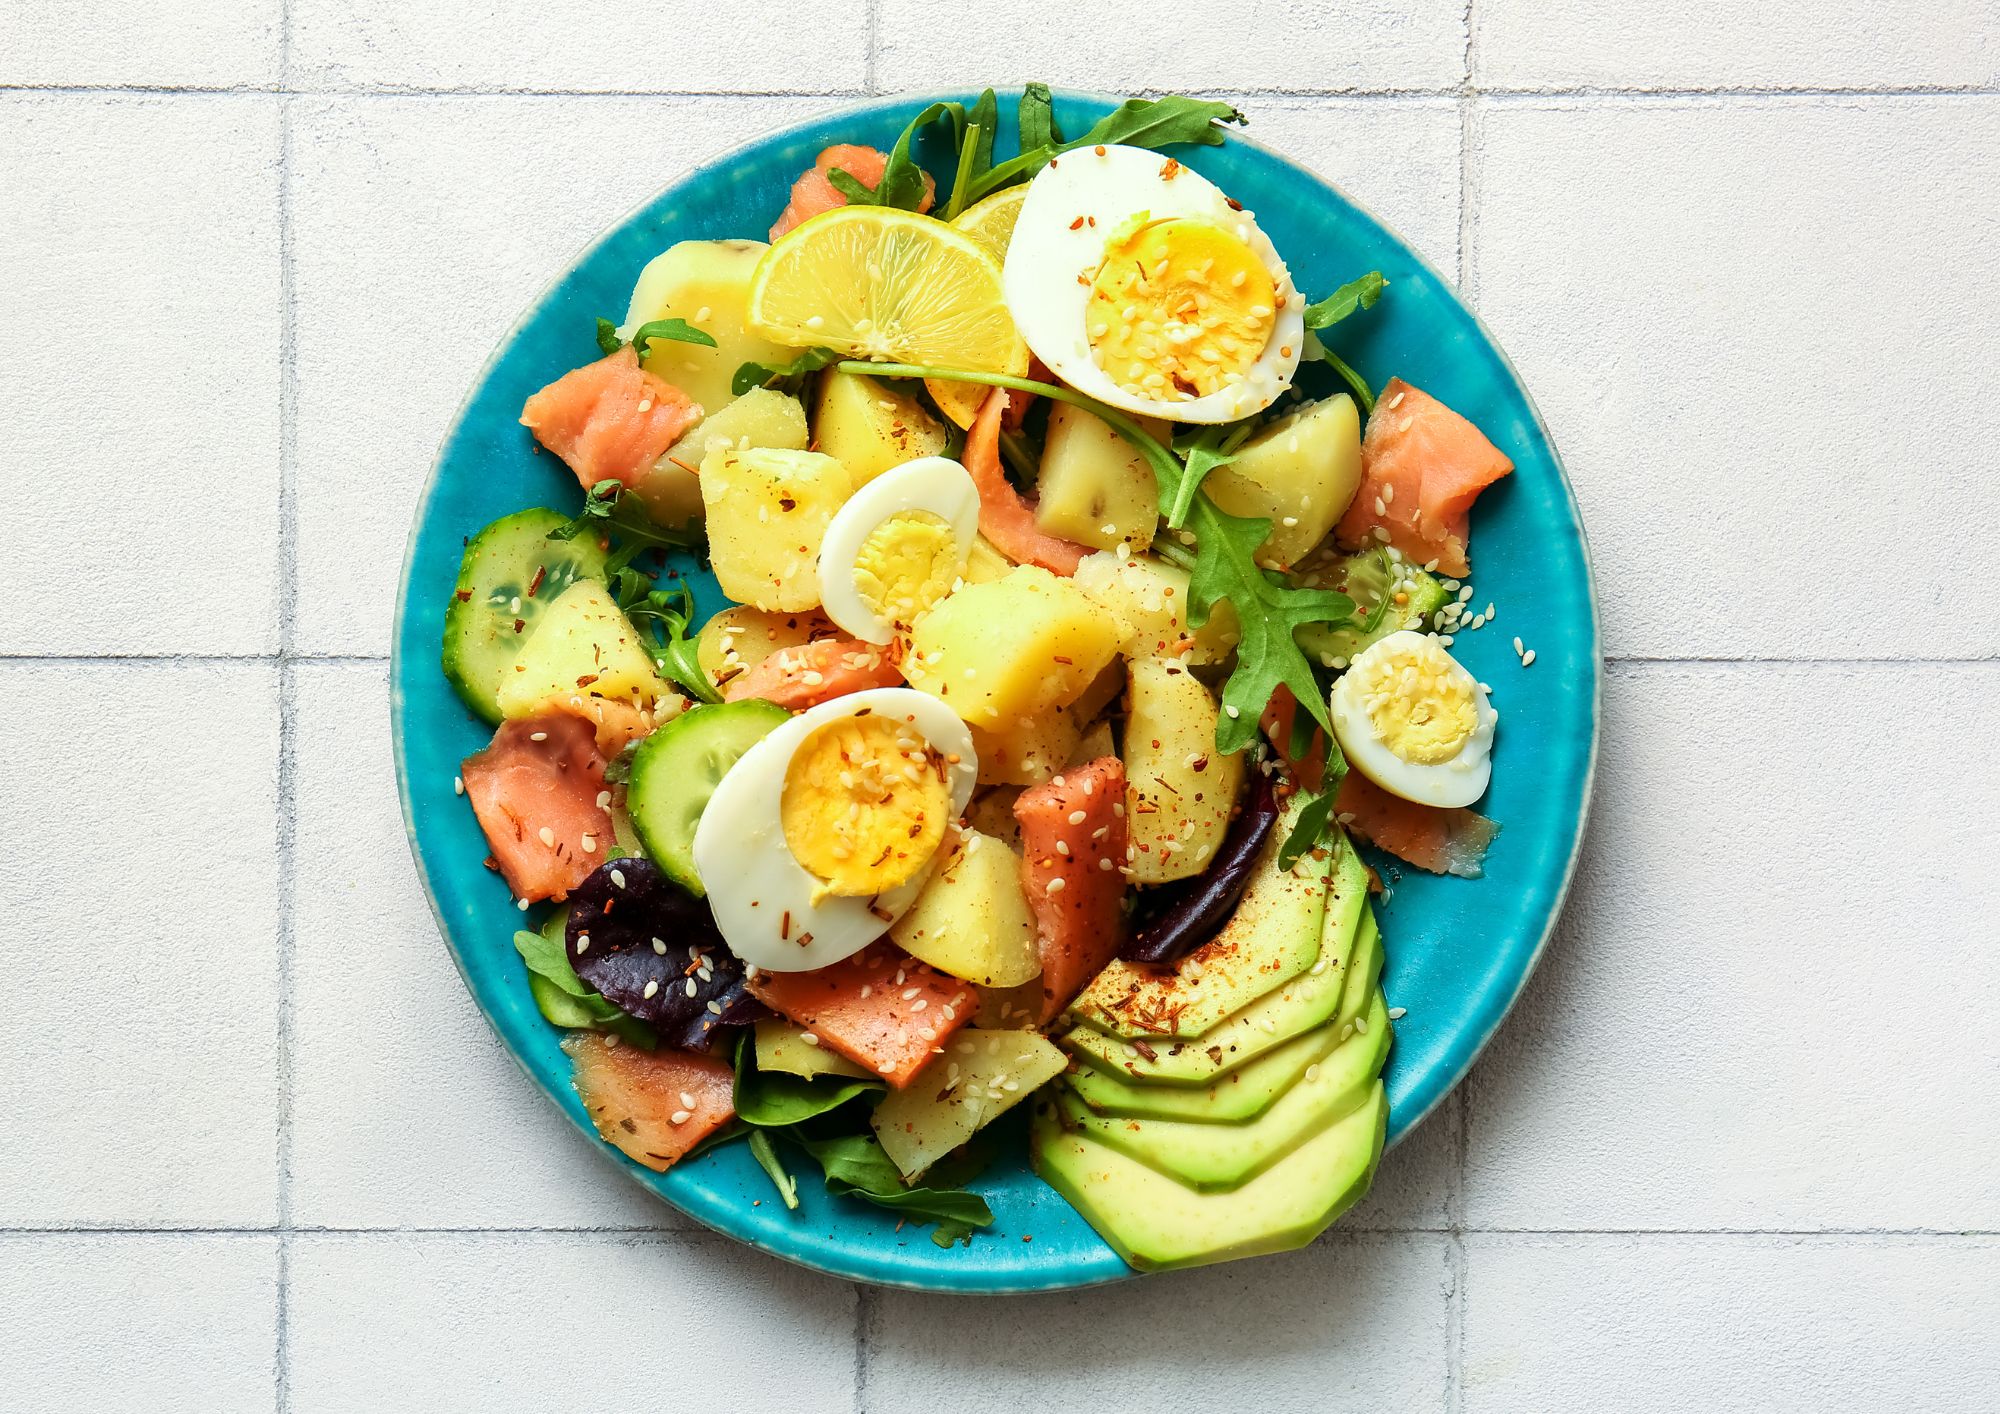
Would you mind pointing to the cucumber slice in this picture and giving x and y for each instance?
(675, 771)
(511, 572)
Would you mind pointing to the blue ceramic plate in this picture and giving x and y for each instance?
(1459, 950)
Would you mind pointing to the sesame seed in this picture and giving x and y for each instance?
(538, 736)
(521, 904)
(1517, 643)
(660, 946)
(1077, 817)
(690, 986)
(1361, 1025)
(546, 836)
(458, 785)
(1528, 658)
(1397, 1013)
(680, 1117)
(809, 1038)
(652, 988)
(618, 877)
(1055, 886)
(1233, 710)
(582, 944)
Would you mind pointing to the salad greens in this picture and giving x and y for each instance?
(565, 1001)
(1138, 122)
(789, 376)
(676, 329)
(809, 1113)
(662, 618)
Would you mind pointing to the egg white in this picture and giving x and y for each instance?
(935, 484)
(1456, 782)
(752, 878)
(1077, 203)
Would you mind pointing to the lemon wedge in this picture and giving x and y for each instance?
(878, 283)
(991, 223)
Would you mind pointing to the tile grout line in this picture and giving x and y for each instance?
(1468, 229)
(1392, 94)
(288, 557)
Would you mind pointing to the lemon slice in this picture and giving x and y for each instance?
(879, 283)
(991, 223)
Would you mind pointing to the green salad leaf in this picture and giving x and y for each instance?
(1307, 830)
(1268, 609)
(678, 330)
(608, 342)
(857, 1167)
(563, 999)
(781, 375)
(766, 1155)
(1037, 118)
(772, 1099)
(607, 511)
(1202, 450)
(902, 183)
(1138, 122)
(1355, 294)
(663, 617)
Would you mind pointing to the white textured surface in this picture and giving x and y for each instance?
(1735, 1151)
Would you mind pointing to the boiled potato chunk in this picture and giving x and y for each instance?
(1000, 653)
(707, 283)
(869, 428)
(583, 644)
(738, 639)
(762, 417)
(785, 1048)
(981, 1075)
(972, 918)
(1095, 745)
(1300, 473)
(992, 813)
(1178, 787)
(767, 513)
(1029, 753)
(1149, 600)
(1094, 488)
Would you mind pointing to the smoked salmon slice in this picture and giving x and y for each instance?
(880, 1008)
(811, 673)
(1076, 892)
(815, 192)
(535, 791)
(1424, 465)
(1005, 517)
(610, 419)
(655, 1106)
(1441, 841)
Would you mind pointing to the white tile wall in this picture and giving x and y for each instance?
(1735, 1150)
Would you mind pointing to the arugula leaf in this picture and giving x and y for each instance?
(770, 1099)
(1202, 451)
(1307, 830)
(902, 183)
(975, 151)
(856, 1167)
(678, 330)
(667, 613)
(1138, 122)
(563, 999)
(1267, 611)
(766, 1155)
(1037, 118)
(608, 342)
(773, 375)
(1355, 294)
(605, 509)
(1363, 394)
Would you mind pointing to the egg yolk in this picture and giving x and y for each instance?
(1419, 703)
(864, 805)
(906, 565)
(1179, 309)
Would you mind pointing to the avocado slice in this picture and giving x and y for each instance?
(1363, 973)
(1241, 1094)
(1273, 936)
(1214, 1157)
(1372, 579)
(1157, 1224)
(1267, 1023)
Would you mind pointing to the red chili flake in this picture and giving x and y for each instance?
(519, 624)
(786, 503)
(541, 573)
(1234, 204)
(1077, 224)
(785, 925)
(1066, 662)
(463, 595)
(1170, 171)
(586, 680)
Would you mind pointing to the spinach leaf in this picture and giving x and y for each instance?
(781, 375)
(1307, 830)
(1140, 122)
(1355, 294)
(608, 342)
(856, 1167)
(771, 1099)
(975, 152)
(662, 619)
(563, 999)
(902, 183)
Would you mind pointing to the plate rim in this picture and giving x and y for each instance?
(913, 101)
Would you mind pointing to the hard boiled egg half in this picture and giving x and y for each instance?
(898, 546)
(823, 833)
(1141, 284)
(1415, 722)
